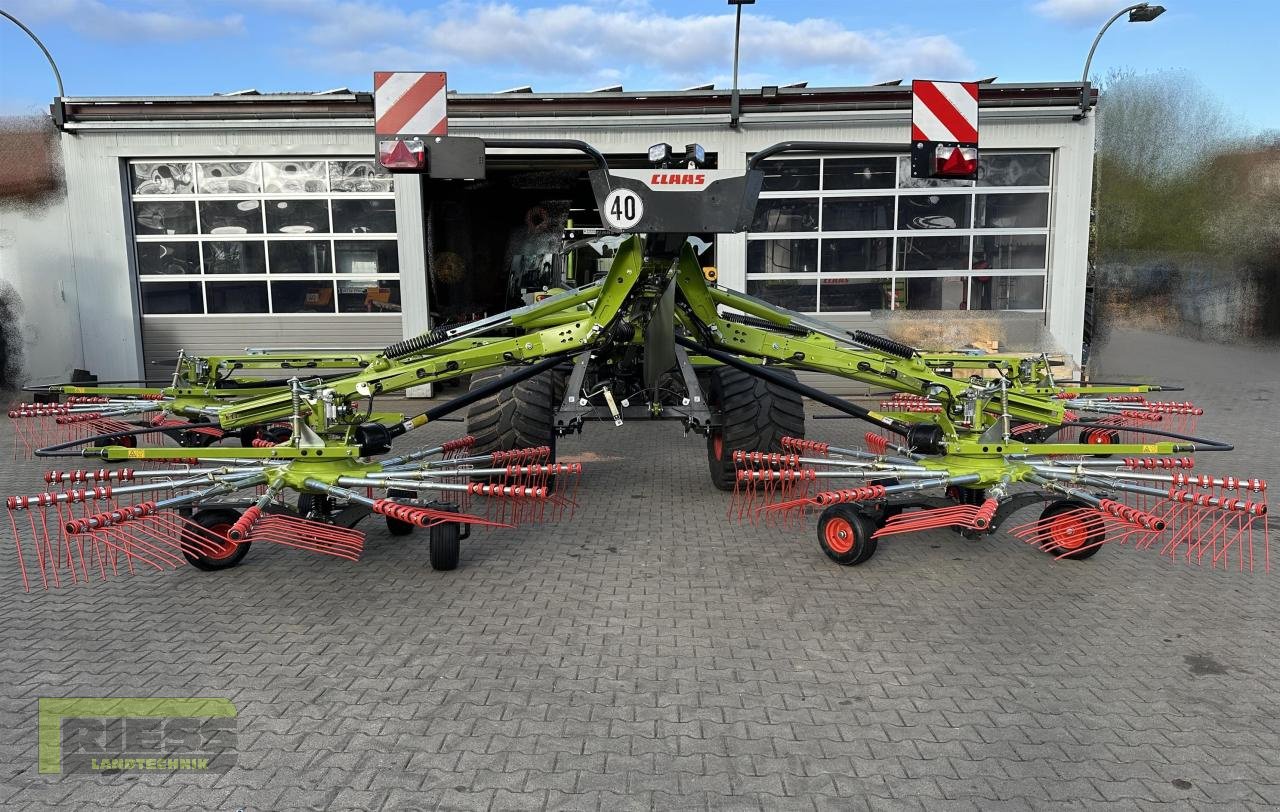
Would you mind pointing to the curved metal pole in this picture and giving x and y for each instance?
(1084, 78)
(56, 75)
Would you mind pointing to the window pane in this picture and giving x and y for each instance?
(231, 217)
(359, 176)
(1008, 293)
(298, 216)
(790, 176)
(783, 214)
(941, 293)
(855, 295)
(162, 179)
(171, 297)
(237, 297)
(234, 257)
(1013, 170)
(905, 181)
(793, 294)
(859, 173)
(168, 258)
(857, 214)
(294, 177)
(933, 211)
(782, 256)
(300, 256)
(1012, 211)
(1016, 252)
(164, 217)
(364, 216)
(302, 297)
(229, 178)
(368, 296)
(856, 254)
(367, 257)
(933, 253)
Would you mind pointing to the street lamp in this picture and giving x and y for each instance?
(1139, 13)
(56, 75)
(734, 110)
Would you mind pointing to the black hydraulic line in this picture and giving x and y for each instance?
(59, 449)
(760, 371)
(884, 344)
(1208, 445)
(823, 146)
(53, 387)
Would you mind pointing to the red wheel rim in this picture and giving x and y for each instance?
(839, 535)
(1069, 532)
(717, 445)
(1100, 438)
(217, 544)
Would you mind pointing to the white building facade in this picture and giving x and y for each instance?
(212, 224)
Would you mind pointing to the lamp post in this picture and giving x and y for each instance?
(734, 109)
(56, 75)
(1138, 13)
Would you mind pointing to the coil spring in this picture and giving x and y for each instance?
(417, 343)
(752, 321)
(883, 344)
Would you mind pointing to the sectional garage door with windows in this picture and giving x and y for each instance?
(303, 250)
(845, 234)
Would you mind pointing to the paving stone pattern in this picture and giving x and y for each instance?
(650, 654)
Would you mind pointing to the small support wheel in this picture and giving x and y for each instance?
(216, 551)
(444, 546)
(396, 527)
(844, 534)
(1072, 534)
(1099, 436)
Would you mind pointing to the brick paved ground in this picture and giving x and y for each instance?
(650, 655)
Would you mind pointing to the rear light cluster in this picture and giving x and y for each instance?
(402, 153)
(955, 162)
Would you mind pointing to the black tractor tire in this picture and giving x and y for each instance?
(754, 416)
(520, 416)
(214, 524)
(445, 546)
(1073, 532)
(844, 534)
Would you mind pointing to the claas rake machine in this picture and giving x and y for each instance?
(961, 441)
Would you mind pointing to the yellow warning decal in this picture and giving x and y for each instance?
(135, 453)
(1150, 449)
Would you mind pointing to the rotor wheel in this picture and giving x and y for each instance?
(444, 546)
(216, 551)
(1099, 436)
(755, 415)
(1072, 534)
(844, 534)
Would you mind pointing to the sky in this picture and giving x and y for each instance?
(195, 47)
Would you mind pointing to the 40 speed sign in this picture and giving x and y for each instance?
(623, 209)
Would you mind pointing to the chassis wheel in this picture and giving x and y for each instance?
(444, 546)
(844, 534)
(395, 526)
(1072, 535)
(519, 416)
(213, 526)
(754, 416)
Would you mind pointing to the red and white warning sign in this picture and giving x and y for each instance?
(407, 103)
(944, 111)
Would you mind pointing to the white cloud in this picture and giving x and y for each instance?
(581, 44)
(1077, 11)
(134, 21)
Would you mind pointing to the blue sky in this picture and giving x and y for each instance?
(173, 47)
